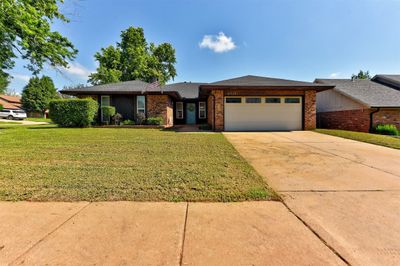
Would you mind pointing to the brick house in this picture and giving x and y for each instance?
(358, 105)
(10, 102)
(247, 103)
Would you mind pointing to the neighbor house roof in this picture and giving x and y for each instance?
(125, 87)
(185, 89)
(263, 82)
(365, 91)
(10, 102)
(388, 80)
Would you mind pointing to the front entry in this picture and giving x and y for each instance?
(190, 113)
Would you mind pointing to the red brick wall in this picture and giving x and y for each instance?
(354, 120)
(219, 110)
(387, 116)
(160, 105)
(210, 110)
(310, 110)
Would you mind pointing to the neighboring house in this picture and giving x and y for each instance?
(247, 103)
(357, 105)
(10, 102)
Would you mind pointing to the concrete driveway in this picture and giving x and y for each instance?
(346, 192)
(23, 122)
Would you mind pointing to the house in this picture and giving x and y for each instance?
(247, 103)
(359, 105)
(10, 102)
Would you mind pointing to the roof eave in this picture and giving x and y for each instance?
(280, 87)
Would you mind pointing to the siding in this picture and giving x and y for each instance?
(331, 100)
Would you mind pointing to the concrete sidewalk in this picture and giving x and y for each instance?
(134, 233)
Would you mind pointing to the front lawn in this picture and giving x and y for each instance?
(46, 163)
(382, 140)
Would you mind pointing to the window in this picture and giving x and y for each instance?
(292, 100)
(202, 110)
(105, 101)
(253, 100)
(272, 100)
(140, 104)
(179, 110)
(233, 100)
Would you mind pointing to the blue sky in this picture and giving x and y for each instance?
(290, 39)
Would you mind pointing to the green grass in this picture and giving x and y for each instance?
(46, 163)
(48, 120)
(9, 123)
(382, 140)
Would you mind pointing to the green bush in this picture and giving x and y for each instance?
(128, 122)
(108, 112)
(73, 112)
(155, 121)
(387, 129)
(1, 107)
(205, 127)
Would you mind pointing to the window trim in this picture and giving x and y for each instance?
(179, 108)
(137, 104)
(204, 107)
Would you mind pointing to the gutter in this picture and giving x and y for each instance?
(371, 119)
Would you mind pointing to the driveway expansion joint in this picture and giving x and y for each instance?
(184, 234)
(331, 248)
(50, 233)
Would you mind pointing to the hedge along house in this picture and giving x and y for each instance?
(248, 103)
(358, 105)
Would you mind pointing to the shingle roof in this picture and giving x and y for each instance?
(368, 92)
(11, 99)
(120, 87)
(389, 80)
(186, 90)
(250, 80)
(8, 105)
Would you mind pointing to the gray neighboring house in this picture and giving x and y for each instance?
(359, 105)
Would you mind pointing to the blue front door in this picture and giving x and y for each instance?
(190, 113)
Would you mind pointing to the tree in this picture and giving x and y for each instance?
(37, 94)
(133, 58)
(361, 75)
(25, 30)
(4, 81)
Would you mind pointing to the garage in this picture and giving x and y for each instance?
(253, 113)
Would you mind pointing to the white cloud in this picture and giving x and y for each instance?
(334, 75)
(21, 77)
(78, 70)
(218, 43)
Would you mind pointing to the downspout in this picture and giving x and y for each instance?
(371, 119)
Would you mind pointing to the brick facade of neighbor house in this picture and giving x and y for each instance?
(309, 104)
(160, 106)
(387, 116)
(353, 120)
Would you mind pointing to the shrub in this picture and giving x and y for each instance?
(155, 121)
(108, 112)
(128, 122)
(73, 112)
(387, 129)
(205, 127)
(140, 118)
(1, 107)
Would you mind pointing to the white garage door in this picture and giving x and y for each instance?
(263, 113)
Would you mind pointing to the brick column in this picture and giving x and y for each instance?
(219, 110)
(160, 106)
(310, 110)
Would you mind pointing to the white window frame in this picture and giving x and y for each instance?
(101, 105)
(179, 110)
(202, 108)
(140, 109)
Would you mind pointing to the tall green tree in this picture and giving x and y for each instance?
(25, 31)
(37, 94)
(133, 58)
(361, 75)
